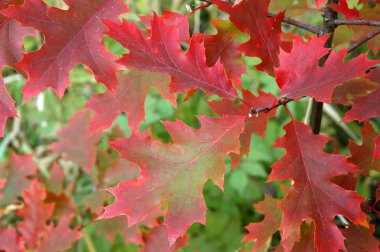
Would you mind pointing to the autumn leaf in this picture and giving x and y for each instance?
(342, 7)
(356, 88)
(299, 75)
(157, 241)
(359, 238)
(129, 98)
(250, 16)
(16, 174)
(7, 106)
(362, 156)
(252, 124)
(174, 173)
(376, 153)
(34, 215)
(223, 46)
(75, 143)
(10, 241)
(306, 240)
(313, 196)
(364, 108)
(59, 238)
(71, 36)
(11, 37)
(161, 52)
(262, 231)
(171, 19)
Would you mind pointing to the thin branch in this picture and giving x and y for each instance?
(329, 16)
(311, 28)
(363, 40)
(280, 102)
(356, 22)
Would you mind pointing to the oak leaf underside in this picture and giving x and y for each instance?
(174, 173)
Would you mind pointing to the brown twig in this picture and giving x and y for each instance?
(280, 102)
(311, 28)
(363, 40)
(356, 22)
(329, 16)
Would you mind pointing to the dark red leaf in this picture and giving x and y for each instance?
(223, 46)
(250, 16)
(359, 238)
(161, 52)
(71, 36)
(7, 106)
(313, 195)
(364, 108)
(299, 74)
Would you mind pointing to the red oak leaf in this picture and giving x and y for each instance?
(253, 124)
(374, 75)
(59, 238)
(16, 174)
(10, 241)
(306, 240)
(342, 7)
(63, 204)
(171, 18)
(376, 154)
(364, 108)
(261, 232)
(174, 173)
(161, 52)
(34, 215)
(71, 37)
(223, 46)
(356, 88)
(129, 98)
(359, 238)
(11, 37)
(7, 106)
(306, 78)
(157, 241)
(313, 195)
(250, 16)
(363, 155)
(75, 143)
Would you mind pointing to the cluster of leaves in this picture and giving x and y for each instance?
(174, 136)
